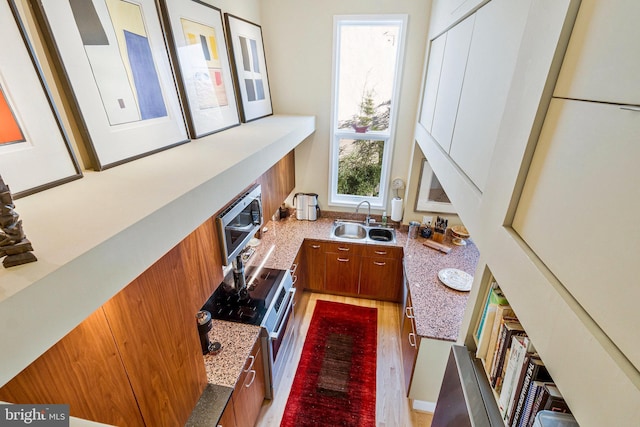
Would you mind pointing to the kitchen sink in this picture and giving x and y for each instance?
(350, 230)
(354, 231)
(382, 234)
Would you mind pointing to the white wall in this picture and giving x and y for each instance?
(245, 9)
(298, 36)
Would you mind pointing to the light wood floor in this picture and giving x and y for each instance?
(393, 409)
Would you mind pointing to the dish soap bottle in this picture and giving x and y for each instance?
(384, 218)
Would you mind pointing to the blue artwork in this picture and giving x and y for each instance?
(145, 77)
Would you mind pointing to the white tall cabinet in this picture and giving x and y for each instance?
(555, 218)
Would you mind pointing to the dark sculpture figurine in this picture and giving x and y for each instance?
(14, 245)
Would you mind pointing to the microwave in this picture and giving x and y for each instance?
(239, 222)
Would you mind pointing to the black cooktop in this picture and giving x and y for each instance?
(226, 304)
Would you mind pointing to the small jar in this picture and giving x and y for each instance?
(414, 226)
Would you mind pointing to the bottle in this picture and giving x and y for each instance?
(384, 218)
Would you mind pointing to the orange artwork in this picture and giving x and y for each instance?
(9, 129)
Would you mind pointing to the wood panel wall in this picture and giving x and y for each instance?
(83, 370)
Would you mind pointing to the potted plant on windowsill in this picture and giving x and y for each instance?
(363, 120)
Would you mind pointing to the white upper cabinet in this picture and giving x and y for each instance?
(431, 82)
(579, 211)
(602, 62)
(497, 35)
(451, 77)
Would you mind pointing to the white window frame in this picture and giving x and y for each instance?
(388, 136)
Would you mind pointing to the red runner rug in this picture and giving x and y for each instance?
(335, 383)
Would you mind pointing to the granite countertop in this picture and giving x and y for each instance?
(223, 369)
(237, 341)
(439, 310)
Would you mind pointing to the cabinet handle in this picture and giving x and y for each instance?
(343, 259)
(379, 263)
(253, 378)
(630, 107)
(253, 359)
(409, 312)
(381, 252)
(412, 339)
(294, 267)
(342, 248)
(295, 279)
(315, 246)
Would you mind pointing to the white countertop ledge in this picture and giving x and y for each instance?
(93, 236)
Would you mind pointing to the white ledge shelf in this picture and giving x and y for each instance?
(93, 236)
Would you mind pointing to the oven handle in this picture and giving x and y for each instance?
(281, 321)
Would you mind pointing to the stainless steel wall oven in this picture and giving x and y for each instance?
(239, 222)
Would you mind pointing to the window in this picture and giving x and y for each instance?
(367, 61)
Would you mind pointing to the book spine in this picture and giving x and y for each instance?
(526, 383)
(540, 401)
(513, 368)
(484, 314)
(515, 398)
(502, 334)
(501, 312)
(483, 342)
(511, 329)
(532, 394)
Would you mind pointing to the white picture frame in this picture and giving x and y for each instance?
(35, 153)
(250, 68)
(198, 49)
(117, 71)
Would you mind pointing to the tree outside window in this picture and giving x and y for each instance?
(368, 51)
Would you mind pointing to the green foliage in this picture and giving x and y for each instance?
(360, 162)
(360, 168)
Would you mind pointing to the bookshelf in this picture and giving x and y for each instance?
(519, 379)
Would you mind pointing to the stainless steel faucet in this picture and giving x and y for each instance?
(368, 219)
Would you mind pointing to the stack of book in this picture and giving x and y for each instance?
(521, 382)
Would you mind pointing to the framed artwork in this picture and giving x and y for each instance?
(198, 47)
(431, 196)
(250, 68)
(35, 153)
(115, 61)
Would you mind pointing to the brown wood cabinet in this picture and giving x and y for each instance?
(409, 340)
(381, 273)
(277, 183)
(297, 274)
(82, 370)
(228, 418)
(202, 262)
(314, 265)
(342, 268)
(368, 271)
(153, 323)
(249, 392)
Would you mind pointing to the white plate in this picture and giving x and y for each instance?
(456, 279)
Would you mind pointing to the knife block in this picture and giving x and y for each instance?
(437, 237)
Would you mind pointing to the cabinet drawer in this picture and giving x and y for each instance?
(342, 248)
(382, 251)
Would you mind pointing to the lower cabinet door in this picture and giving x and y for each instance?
(379, 278)
(409, 344)
(228, 418)
(342, 273)
(83, 370)
(249, 393)
(313, 265)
